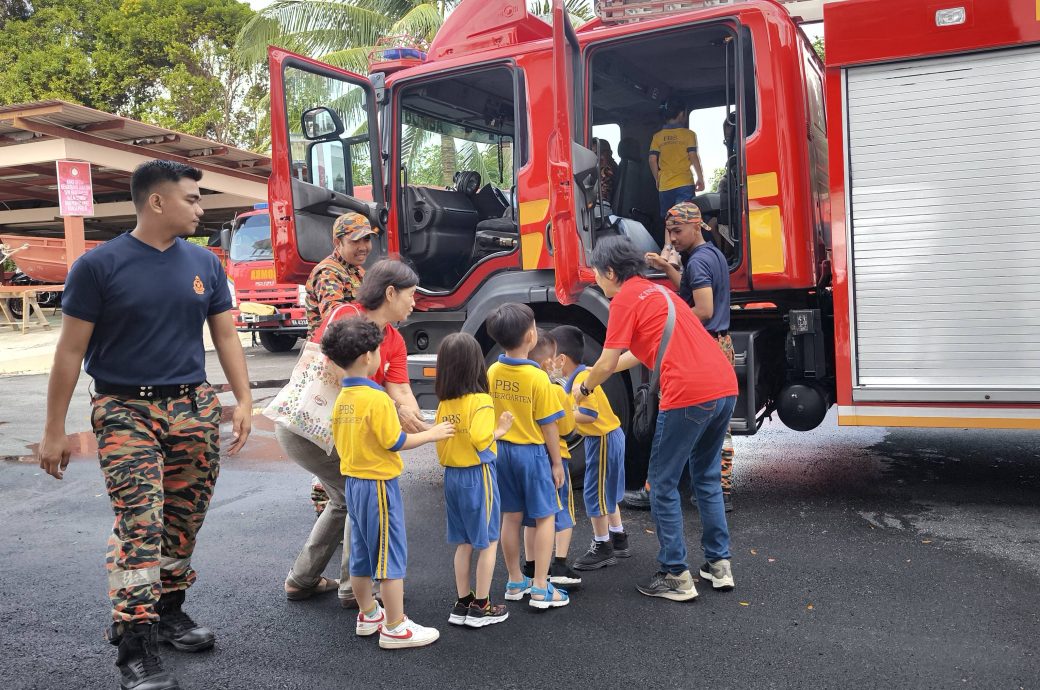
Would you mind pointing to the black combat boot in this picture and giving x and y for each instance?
(178, 629)
(140, 667)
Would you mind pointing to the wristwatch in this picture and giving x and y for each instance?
(584, 389)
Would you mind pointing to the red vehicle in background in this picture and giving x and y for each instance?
(271, 310)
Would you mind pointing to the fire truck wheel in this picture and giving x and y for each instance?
(277, 342)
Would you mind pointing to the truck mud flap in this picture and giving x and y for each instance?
(422, 370)
(749, 360)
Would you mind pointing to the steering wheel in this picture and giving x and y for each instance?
(500, 195)
(467, 182)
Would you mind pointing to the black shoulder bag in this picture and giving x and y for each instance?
(648, 395)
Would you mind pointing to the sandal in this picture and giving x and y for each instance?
(548, 597)
(325, 584)
(515, 591)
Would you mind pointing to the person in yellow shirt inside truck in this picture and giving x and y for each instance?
(673, 150)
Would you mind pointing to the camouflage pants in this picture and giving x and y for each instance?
(726, 343)
(160, 460)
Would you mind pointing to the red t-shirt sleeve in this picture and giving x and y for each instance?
(620, 323)
(395, 355)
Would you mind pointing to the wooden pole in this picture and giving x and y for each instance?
(75, 244)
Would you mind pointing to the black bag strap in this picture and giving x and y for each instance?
(666, 336)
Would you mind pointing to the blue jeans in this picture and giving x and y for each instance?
(689, 435)
(670, 197)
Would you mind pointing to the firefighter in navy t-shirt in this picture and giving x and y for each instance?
(133, 311)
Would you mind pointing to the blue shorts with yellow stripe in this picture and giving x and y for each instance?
(525, 480)
(473, 505)
(604, 473)
(378, 543)
(564, 518)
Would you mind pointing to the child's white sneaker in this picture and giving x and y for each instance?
(407, 634)
(369, 625)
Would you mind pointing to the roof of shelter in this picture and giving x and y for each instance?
(22, 184)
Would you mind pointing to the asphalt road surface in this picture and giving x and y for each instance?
(863, 558)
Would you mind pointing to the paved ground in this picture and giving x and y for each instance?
(864, 558)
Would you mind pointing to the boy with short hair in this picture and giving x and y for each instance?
(530, 466)
(604, 457)
(544, 353)
(368, 436)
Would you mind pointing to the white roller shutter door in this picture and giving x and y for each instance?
(944, 171)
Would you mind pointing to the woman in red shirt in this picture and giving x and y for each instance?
(386, 296)
(698, 392)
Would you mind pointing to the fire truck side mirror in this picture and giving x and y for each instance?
(321, 124)
(225, 238)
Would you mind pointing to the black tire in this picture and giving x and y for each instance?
(277, 342)
(15, 305)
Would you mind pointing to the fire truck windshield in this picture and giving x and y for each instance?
(252, 239)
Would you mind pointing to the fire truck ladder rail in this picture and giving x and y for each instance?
(623, 11)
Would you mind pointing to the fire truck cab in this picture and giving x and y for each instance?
(484, 178)
(507, 104)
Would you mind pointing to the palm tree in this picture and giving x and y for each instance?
(343, 33)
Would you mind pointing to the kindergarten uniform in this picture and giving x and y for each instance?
(565, 515)
(471, 495)
(524, 471)
(604, 449)
(368, 437)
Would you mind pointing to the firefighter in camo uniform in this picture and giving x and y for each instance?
(133, 311)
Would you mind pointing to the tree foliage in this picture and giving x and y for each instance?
(817, 45)
(169, 62)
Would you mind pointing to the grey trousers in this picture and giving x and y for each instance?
(332, 527)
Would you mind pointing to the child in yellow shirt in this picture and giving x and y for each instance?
(368, 438)
(544, 353)
(604, 457)
(471, 497)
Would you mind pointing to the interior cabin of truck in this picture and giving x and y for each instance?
(709, 69)
(458, 161)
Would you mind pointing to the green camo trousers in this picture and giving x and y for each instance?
(160, 460)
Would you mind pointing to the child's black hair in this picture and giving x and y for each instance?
(545, 347)
(347, 339)
(570, 342)
(508, 324)
(460, 367)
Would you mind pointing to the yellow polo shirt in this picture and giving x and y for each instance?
(520, 387)
(474, 440)
(565, 423)
(596, 405)
(367, 431)
(673, 146)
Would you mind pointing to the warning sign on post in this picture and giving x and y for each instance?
(75, 192)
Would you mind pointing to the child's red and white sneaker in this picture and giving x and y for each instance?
(407, 634)
(369, 625)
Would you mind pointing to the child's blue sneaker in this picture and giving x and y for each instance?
(548, 597)
(515, 591)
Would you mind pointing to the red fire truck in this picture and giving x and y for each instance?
(262, 305)
(849, 208)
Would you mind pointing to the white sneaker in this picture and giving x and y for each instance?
(407, 634)
(370, 626)
(718, 573)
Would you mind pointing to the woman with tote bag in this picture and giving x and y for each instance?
(303, 416)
